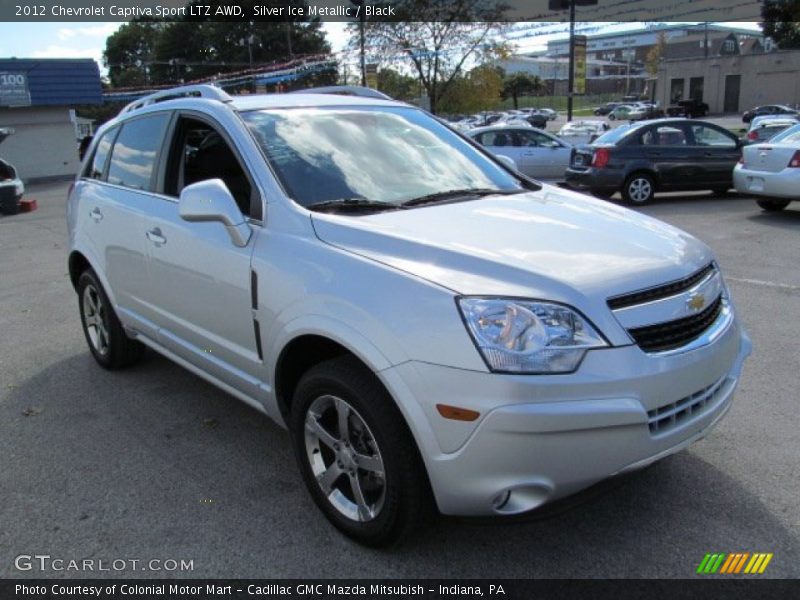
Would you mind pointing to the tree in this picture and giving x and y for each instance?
(474, 91)
(655, 54)
(439, 38)
(129, 52)
(161, 53)
(397, 85)
(520, 84)
(781, 22)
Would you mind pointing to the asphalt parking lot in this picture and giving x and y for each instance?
(154, 463)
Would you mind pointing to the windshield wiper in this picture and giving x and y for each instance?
(450, 195)
(353, 204)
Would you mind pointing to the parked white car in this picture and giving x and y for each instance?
(771, 170)
(11, 186)
(765, 127)
(536, 153)
(582, 132)
(432, 328)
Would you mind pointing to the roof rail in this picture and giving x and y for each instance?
(187, 91)
(346, 90)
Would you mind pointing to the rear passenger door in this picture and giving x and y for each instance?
(115, 193)
(201, 281)
(500, 142)
(666, 146)
(717, 151)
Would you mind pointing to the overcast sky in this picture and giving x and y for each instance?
(87, 40)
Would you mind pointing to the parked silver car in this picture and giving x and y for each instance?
(536, 153)
(771, 170)
(433, 329)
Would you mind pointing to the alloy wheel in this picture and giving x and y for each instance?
(345, 458)
(95, 320)
(640, 190)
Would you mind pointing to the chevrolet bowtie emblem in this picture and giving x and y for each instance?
(696, 302)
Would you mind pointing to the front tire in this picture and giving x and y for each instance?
(639, 189)
(356, 455)
(107, 340)
(772, 205)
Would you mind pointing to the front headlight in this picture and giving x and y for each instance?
(521, 336)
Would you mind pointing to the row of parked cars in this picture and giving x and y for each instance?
(638, 159)
(536, 117)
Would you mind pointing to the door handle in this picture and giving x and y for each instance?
(154, 235)
(96, 215)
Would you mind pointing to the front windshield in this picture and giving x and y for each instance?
(386, 154)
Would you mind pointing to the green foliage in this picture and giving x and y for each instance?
(397, 85)
(479, 90)
(520, 84)
(159, 53)
(438, 39)
(781, 22)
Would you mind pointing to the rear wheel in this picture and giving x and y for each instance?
(107, 340)
(772, 205)
(639, 189)
(356, 455)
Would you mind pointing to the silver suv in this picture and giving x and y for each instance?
(435, 330)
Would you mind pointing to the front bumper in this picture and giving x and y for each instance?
(540, 438)
(782, 184)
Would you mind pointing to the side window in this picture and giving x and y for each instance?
(133, 158)
(707, 136)
(199, 153)
(97, 166)
(670, 136)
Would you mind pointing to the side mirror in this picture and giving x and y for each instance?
(211, 200)
(507, 161)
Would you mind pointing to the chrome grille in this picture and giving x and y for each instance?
(669, 416)
(674, 334)
(662, 291)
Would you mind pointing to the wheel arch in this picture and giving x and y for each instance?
(77, 263)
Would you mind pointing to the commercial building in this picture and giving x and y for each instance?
(37, 100)
(732, 83)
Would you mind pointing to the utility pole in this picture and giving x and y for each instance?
(361, 21)
(571, 82)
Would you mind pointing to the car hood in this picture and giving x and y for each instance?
(553, 244)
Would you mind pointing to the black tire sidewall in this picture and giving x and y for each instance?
(626, 195)
(772, 204)
(404, 482)
(122, 350)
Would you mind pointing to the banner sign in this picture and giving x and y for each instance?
(14, 89)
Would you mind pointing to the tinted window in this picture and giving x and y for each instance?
(614, 135)
(201, 153)
(135, 151)
(98, 163)
(788, 136)
(533, 139)
(708, 136)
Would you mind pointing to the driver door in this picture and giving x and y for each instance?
(200, 279)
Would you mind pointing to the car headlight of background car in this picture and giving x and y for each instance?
(526, 336)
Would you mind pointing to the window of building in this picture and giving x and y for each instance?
(133, 158)
(696, 88)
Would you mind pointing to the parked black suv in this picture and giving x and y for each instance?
(642, 158)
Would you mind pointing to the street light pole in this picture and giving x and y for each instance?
(571, 83)
(361, 21)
